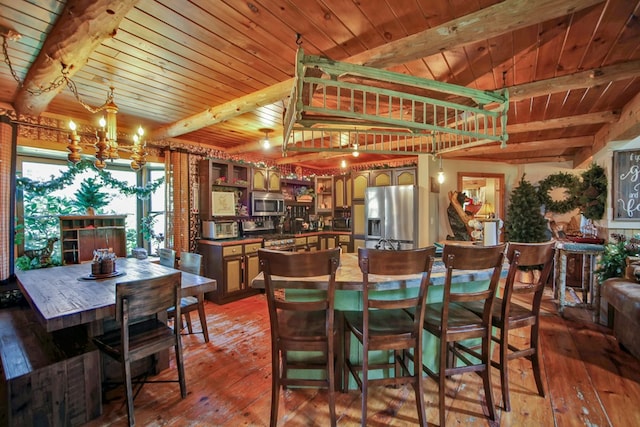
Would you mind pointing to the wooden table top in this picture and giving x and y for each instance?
(349, 277)
(61, 298)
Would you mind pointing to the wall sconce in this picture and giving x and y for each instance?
(265, 143)
(440, 173)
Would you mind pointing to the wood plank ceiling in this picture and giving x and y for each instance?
(214, 73)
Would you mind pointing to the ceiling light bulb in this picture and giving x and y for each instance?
(266, 144)
(355, 150)
(440, 176)
(343, 164)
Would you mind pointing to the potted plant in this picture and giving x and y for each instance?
(90, 198)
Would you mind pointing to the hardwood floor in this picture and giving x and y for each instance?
(589, 381)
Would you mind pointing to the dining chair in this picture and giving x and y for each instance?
(383, 324)
(167, 257)
(453, 324)
(508, 315)
(191, 262)
(301, 324)
(142, 332)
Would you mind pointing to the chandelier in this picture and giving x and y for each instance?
(106, 138)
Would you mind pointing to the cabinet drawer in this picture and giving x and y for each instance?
(252, 248)
(344, 239)
(231, 250)
(312, 239)
(301, 241)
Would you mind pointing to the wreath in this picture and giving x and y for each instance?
(559, 180)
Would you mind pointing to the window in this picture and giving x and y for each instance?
(38, 214)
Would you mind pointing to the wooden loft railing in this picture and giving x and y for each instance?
(337, 106)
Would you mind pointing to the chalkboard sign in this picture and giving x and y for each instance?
(626, 185)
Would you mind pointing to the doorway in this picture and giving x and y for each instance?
(486, 190)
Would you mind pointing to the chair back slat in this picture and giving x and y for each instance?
(146, 297)
(167, 257)
(536, 256)
(190, 262)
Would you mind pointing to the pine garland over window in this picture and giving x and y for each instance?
(67, 177)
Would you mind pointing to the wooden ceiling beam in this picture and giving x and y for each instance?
(521, 147)
(564, 122)
(483, 24)
(81, 27)
(583, 79)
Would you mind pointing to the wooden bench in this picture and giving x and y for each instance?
(44, 373)
(623, 298)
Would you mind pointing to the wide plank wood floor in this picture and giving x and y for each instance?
(589, 380)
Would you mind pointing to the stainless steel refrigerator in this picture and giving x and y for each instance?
(391, 217)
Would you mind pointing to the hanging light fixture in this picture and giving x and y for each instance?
(106, 137)
(343, 164)
(265, 143)
(139, 150)
(355, 153)
(440, 173)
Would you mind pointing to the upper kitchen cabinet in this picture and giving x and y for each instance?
(265, 180)
(360, 184)
(324, 194)
(342, 191)
(404, 176)
(218, 175)
(381, 178)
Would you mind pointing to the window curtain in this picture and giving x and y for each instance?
(8, 139)
(177, 201)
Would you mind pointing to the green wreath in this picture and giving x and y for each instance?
(559, 180)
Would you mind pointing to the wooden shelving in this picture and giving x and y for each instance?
(81, 235)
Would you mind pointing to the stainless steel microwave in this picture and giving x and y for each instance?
(267, 204)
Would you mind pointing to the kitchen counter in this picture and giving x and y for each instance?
(256, 239)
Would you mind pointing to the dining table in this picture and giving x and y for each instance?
(68, 295)
(349, 296)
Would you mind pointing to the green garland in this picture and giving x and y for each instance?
(66, 178)
(592, 194)
(559, 180)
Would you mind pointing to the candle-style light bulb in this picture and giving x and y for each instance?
(140, 131)
(72, 126)
(103, 122)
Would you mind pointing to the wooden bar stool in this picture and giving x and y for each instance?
(452, 323)
(305, 325)
(508, 315)
(384, 323)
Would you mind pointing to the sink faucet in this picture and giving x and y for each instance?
(388, 244)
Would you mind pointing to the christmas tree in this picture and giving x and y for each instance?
(525, 223)
(90, 196)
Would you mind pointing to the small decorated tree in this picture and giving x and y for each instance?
(525, 222)
(90, 197)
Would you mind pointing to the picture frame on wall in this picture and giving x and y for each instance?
(435, 185)
(626, 185)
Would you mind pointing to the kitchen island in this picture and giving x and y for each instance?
(349, 297)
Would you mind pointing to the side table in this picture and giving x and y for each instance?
(590, 253)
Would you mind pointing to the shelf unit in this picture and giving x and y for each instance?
(222, 176)
(324, 194)
(81, 235)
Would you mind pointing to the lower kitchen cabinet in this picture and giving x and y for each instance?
(344, 241)
(233, 267)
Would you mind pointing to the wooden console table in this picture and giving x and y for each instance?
(589, 253)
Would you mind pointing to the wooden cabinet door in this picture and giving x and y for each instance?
(274, 181)
(259, 182)
(252, 268)
(360, 184)
(380, 178)
(405, 176)
(233, 274)
(357, 220)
